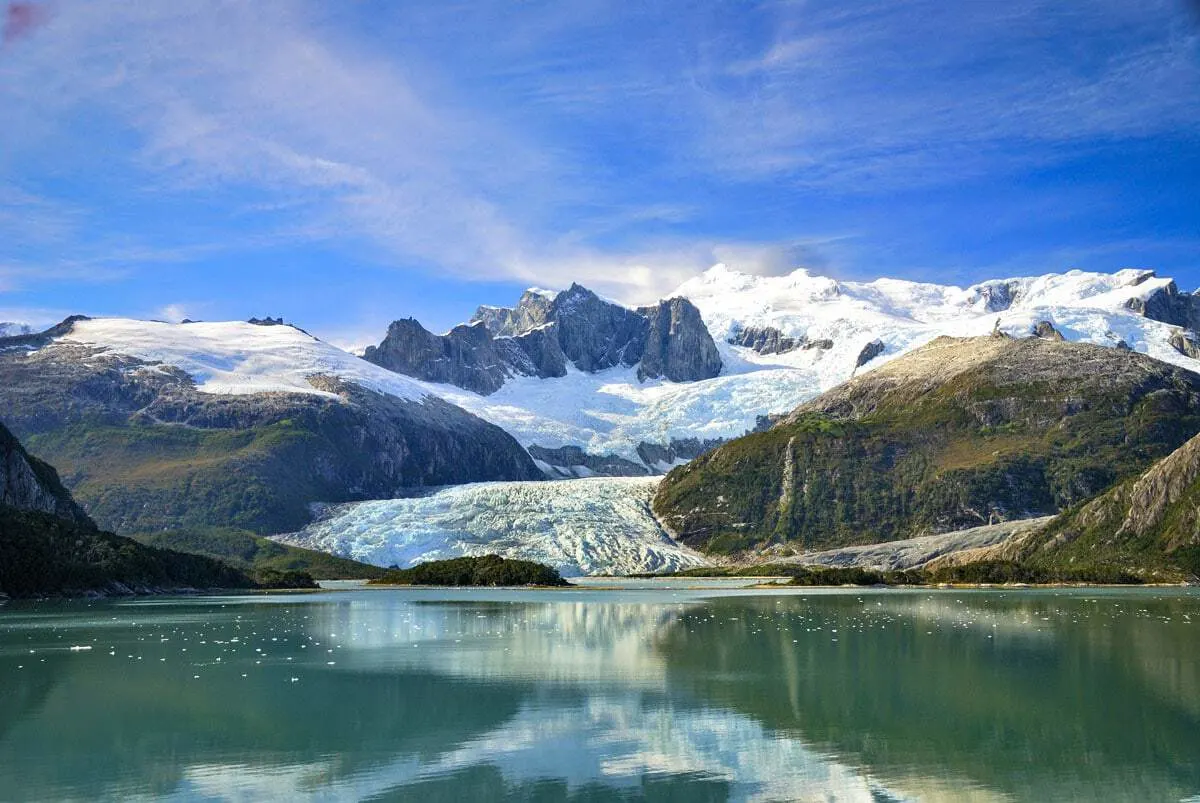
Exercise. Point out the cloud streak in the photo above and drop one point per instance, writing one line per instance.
(553, 142)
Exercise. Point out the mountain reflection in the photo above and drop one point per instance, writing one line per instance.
(545, 696)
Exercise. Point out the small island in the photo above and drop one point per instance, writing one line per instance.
(486, 570)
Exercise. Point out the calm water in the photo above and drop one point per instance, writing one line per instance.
(605, 695)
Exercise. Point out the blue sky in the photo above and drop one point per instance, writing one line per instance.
(344, 164)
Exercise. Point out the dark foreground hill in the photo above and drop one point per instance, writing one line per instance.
(486, 570)
(254, 554)
(959, 433)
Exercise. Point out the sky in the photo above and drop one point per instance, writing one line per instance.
(345, 164)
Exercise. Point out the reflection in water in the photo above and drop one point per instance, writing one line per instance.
(544, 695)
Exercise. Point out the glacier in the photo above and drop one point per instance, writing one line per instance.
(600, 525)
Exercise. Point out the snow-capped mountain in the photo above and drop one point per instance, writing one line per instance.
(165, 426)
(162, 425)
(238, 358)
(783, 340)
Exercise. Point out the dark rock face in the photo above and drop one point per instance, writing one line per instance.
(541, 335)
(766, 340)
(1046, 331)
(1169, 305)
(143, 450)
(465, 356)
(678, 345)
(27, 483)
(998, 296)
(541, 347)
(596, 334)
(869, 352)
(1185, 343)
(677, 449)
(566, 457)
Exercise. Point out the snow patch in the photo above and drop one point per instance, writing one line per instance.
(241, 358)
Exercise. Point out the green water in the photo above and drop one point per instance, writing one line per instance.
(588, 695)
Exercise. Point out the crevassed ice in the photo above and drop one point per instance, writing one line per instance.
(600, 525)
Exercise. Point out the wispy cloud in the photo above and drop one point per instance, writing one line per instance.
(554, 141)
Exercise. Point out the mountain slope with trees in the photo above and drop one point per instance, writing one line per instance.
(958, 433)
(49, 546)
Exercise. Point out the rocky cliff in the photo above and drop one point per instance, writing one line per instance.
(27, 483)
(958, 433)
(678, 347)
(543, 333)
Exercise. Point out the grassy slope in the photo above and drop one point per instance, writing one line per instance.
(253, 554)
(152, 477)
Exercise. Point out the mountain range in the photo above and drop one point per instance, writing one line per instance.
(159, 427)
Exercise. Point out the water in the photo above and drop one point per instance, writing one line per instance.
(588, 695)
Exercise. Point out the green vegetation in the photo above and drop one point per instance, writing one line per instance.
(999, 572)
(882, 459)
(44, 554)
(488, 570)
(983, 572)
(257, 555)
(153, 477)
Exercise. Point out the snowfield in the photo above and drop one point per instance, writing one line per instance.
(587, 526)
(240, 358)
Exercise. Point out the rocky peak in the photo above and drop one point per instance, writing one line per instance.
(465, 356)
(997, 296)
(1169, 305)
(595, 334)
(34, 340)
(531, 311)
(678, 344)
(543, 332)
(1046, 331)
(869, 352)
(1184, 342)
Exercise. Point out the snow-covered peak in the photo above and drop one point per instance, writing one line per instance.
(239, 358)
(801, 301)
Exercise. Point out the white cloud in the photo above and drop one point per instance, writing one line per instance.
(173, 313)
(480, 166)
